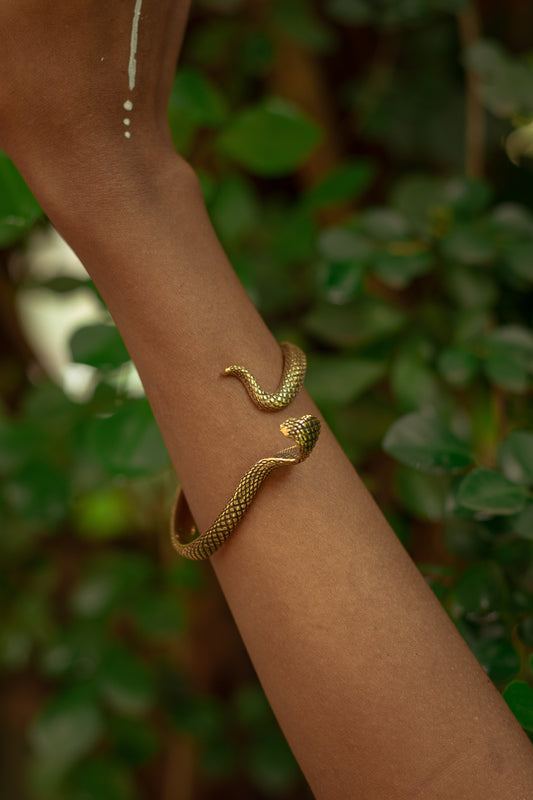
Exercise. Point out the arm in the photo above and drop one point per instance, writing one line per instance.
(379, 697)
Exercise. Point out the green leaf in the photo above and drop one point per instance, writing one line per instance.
(515, 457)
(354, 324)
(522, 524)
(200, 717)
(504, 81)
(196, 100)
(218, 758)
(342, 245)
(426, 200)
(185, 574)
(271, 765)
(300, 21)
(519, 697)
(512, 220)
(234, 209)
(128, 442)
(251, 707)
(350, 12)
(464, 537)
(525, 630)
(183, 132)
(514, 342)
(125, 681)
(485, 57)
(100, 346)
(257, 52)
(509, 357)
(109, 582)
(213, 43)
(339, 381)
(94, 595)
(489, 491)
(19, 444)
(467, 196)
(519, 259)
(469, 326)
(102, 778)
(398, 269)
(134, 740)
(512, 552)
(39, 493)
(384, 224)
(421, 493)
(222, 6)
(18, 208)
(272, 138)
(74, 652)
(27, 621)
(104, 514)
(293, 237)
(48, 401)
(469, 245)
(499, 658)
(479, 591)
(207, 185)
(64, 284)
(338, 282)
(67, 728)
(457, 365)
(418, 197)
(470, 288)
(15, 649)
(426, 444)
(523, 600)
(519, 143)
(343, 184)
(413, 382)
(507, 374)
(158, 615)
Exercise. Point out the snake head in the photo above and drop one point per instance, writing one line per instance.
(304, 431)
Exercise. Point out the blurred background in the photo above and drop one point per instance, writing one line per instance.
(366, 165)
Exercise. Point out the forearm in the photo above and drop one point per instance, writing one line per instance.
(374, 689)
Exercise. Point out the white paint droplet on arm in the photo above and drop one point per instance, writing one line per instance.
(132, 68)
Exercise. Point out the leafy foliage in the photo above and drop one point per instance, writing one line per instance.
(409, 285)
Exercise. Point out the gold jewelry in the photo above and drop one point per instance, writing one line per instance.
(304, 432)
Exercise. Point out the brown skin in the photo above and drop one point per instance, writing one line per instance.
(377, 694)
(76, 73)
(62, 106)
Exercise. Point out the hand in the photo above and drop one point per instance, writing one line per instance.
(71, 76)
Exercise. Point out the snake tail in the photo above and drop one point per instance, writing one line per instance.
(303, 431)
(292, 378)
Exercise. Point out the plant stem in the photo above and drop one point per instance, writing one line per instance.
(470, 33)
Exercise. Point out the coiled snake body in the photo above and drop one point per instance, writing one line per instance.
(291, 381)
(304, 432)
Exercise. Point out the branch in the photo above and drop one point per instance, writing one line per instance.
(469, 33)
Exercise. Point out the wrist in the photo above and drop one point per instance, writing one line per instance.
(88, 194)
